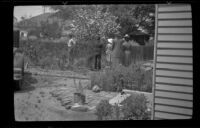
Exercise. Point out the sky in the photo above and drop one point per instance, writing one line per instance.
(28, 11)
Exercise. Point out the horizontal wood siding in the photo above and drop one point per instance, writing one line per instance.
(174, 73)
(181, 15)
(174, 45)
(175, 23)
(177, 67)
(174, 102)
(174, 37)
(183, 89)
(184, 60)
(174, 8)
(175, 52)
(171, 116)
(184, 111)
(174, 30)
(173, 83)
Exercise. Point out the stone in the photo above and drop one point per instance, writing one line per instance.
(80, 108)
(118, 99)
(96, 88)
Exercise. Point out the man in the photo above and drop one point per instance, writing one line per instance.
(98, 51)
(70, 44)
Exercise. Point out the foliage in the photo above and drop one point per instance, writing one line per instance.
(134, 17)
(104, 110)
(91, 23)
(130, 17)
(121, 77)
(135, 108)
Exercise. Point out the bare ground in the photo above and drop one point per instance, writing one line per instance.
(34, 102)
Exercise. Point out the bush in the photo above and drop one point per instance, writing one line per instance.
(135, 108)
(121, 77)
(104, 110)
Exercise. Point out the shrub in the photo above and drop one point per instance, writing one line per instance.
(121, 77)
(104, 110)
(135, 108)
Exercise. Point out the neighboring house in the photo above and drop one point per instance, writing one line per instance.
(23, 33)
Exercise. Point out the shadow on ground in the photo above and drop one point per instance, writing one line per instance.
(27, 84)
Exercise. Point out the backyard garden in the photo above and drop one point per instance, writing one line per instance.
(116, 91)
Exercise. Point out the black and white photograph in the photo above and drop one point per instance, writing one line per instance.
(102, 62)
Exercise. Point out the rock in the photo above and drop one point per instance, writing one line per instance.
(96, 88)
(80, 108)
(118, 99)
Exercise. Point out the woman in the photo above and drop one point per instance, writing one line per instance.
(109, 48)
(127, 50)
(117, 51)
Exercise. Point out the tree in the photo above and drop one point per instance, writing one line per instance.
(131, 18)
(134, 17)
(91, 22)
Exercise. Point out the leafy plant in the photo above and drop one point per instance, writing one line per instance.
(104, 110)
(121, 77)
(135, 108)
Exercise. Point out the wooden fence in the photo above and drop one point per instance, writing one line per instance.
(142, 53)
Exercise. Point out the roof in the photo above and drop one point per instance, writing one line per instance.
(138, 33)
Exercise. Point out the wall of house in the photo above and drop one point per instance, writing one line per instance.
(173, 72)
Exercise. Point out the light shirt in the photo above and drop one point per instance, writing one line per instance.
(71, 42)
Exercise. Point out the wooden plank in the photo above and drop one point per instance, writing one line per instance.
(174, 73)
(175, 23)
(174, 8)
(187, 60)
(174, 88)
(175, 30)
(174, 15)
(173, 109)
(175, 52)
(174, 102)
(174, 45)
(174, 81)
(174, 37)
(175, 66)
(174, 95)
(170, 116)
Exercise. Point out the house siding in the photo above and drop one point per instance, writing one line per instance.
(173, 72)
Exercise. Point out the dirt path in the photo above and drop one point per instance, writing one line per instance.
(35, 103)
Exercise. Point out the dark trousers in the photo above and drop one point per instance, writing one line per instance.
(97, 61)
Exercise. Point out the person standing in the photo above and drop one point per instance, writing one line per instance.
(70, 44)
(116, 55)
(98, 51)
(127, 50)
(109, 48)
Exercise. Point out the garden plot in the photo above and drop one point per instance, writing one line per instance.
(49, 97)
